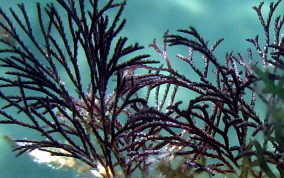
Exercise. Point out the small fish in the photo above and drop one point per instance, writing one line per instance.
(5, 35)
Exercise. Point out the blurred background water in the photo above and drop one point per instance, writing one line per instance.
(148, 19)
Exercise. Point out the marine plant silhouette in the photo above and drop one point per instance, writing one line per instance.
(81, 118)
(76, 82)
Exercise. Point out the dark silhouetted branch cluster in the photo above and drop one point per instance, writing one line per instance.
(77, 113)
(75, 81)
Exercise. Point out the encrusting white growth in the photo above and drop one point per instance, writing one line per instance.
(57, 162)
(51, 160)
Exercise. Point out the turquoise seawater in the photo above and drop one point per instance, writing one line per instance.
(148, 19)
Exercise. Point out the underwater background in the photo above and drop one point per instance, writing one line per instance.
(234, 21)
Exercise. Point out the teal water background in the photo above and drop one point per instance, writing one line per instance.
(148, 19)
